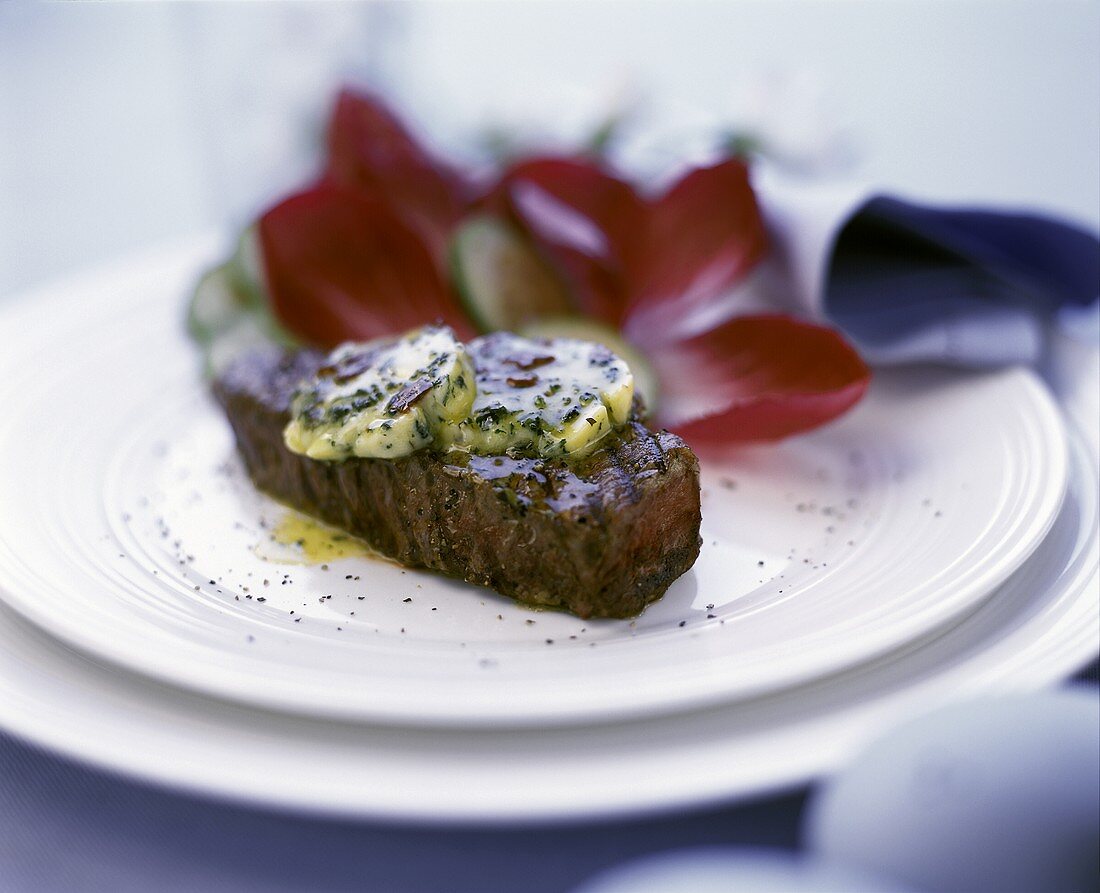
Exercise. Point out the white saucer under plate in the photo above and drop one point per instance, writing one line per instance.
(129, 531)
(1035, 629)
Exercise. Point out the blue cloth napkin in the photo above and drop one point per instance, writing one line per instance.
(913, 282)
(974, 287)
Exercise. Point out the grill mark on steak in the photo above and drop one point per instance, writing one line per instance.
(601, 538)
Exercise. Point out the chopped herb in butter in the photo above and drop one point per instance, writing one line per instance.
(550, 398)
(499, 394)
(383, 400)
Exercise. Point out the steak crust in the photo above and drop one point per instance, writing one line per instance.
(601, 538)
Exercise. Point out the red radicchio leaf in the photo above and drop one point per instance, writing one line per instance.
(704, 234)
(757, 378)
(341, 266)
(586, 221)
(371, 150)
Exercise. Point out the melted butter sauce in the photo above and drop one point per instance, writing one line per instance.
(495, 468)
(300, 539)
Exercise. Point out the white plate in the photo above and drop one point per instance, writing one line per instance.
(1035, 629)
(129, 531)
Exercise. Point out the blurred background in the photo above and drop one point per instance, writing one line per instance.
(124, 125)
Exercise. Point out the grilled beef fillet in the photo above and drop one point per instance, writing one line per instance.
(602, 537)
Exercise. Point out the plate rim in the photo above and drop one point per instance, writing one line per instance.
(1006, 676)
(874, 646)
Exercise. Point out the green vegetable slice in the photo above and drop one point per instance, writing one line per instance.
(228, 312)
(228, 291)
(214, 306)
(244, 334)
(646, 384)
(502, 280)
(245, 269)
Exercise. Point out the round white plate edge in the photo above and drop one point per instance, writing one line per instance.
(1037, 532)
(36, 728)
(117, 756)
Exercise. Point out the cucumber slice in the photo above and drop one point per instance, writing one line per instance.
(502, 280)
(229, 312)
(249, 329)
(245, 268)
(646, 384)
(244, 334)
(226, 292)
(214, 306)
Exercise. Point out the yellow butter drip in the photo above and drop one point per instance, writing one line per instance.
(309, 541)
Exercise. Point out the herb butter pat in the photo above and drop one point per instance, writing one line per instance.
(499, 394)
(381, 400)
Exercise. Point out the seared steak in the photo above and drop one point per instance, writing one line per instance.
(601, 538)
